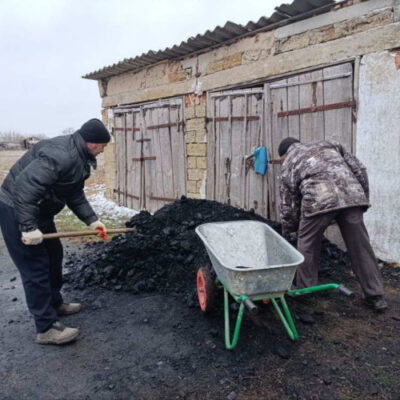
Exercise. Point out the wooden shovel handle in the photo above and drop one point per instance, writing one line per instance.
(84, 233)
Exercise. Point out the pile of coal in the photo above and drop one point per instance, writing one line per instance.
(164, 252)
(162, 255)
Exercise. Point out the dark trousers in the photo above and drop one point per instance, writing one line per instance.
(40, 267)
(355, 235)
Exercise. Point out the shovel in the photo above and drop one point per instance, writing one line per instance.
(58, 235)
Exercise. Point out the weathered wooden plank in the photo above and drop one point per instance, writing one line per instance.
(120, 141)
(225, 151)
(148, 168)
(338, 122)
(178, 151)
(157, 189)
(293, 104)
(280, 130)
(136, 174)
(124, 163)
(167, 170)
(256, 181)
(117, 193)
(129, 153)
(238, 135)
(270, 189)
(311, 125)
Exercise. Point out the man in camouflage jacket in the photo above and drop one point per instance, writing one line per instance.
(321, 182)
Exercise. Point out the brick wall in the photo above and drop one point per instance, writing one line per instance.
(196, 145)
(335, 31)
(109, 158)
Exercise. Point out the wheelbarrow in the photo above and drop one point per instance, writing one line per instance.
(252, 262)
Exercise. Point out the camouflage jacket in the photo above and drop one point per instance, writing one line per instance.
(317, 178)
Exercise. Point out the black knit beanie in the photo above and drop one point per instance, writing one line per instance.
(285, 144)
(94, 131)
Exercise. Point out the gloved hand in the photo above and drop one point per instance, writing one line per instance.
(32, 238)
(101, 228)
(98, 226)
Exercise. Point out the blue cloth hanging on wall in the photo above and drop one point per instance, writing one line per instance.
(260, 160)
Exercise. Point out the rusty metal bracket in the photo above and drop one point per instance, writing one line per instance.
(126, 194)
(143, 140)
(248, 164)
(165, 125)
(143, 158)
(127, 129)
(334, 106)
(221, 119)
(278, 161)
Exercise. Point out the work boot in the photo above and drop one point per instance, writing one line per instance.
(68, 308)
(57, 334)
(377, 303)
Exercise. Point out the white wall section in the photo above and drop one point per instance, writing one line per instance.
(378, 147)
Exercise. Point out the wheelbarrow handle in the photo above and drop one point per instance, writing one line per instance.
(345, 291)
(57, 235)
(250, 306)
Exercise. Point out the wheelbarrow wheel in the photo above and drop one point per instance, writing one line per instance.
(205, 289)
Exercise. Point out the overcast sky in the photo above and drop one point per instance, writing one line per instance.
(47, 45)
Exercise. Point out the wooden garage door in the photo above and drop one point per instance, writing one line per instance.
(312, 106)
(150, 154)
(128, 147)
(236, 126)
(164, 153)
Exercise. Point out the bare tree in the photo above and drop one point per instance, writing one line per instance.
(11, 136)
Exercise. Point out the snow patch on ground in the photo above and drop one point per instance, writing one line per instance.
(102, 205)
(105, 207)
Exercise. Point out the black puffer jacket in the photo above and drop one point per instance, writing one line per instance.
(48, 177)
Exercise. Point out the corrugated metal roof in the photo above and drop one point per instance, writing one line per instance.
(284, 14)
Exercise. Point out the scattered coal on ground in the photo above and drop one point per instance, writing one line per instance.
(164, 252)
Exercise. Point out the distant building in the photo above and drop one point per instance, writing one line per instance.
(6, 145)
(29, 142)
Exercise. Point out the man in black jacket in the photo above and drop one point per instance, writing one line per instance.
(48, 177)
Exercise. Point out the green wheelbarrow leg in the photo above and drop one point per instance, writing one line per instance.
(228, 344)
(285, 317)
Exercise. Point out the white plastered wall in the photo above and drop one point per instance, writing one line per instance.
(378, 147)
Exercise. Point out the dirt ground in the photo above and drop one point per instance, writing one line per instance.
(153, 346)
(160, 346)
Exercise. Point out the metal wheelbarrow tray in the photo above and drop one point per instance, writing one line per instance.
(249, 257)
(252, 262)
